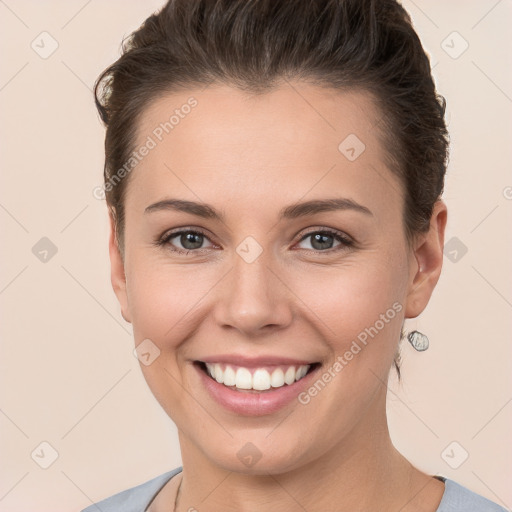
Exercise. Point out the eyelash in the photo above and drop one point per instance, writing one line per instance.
(345, 241)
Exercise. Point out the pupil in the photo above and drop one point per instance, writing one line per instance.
(195, 239)
(322, 240)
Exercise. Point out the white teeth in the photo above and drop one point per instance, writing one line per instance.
(301, 372)
(289, 376)
(260, 380)
(277, 379)
(229, 376)
(243, 379)
(218, 373)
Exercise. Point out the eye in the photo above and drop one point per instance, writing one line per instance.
(184, 241)
(189, 240)
(323, 240)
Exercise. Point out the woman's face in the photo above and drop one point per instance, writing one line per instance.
(259, 281)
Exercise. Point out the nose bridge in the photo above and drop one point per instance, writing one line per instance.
(252, 297)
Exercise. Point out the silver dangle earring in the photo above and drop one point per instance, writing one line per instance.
(418, 340)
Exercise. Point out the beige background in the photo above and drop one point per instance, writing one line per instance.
(68, 374)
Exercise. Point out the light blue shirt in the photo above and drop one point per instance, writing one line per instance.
(456, 498)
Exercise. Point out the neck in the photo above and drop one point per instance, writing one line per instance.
(362, 472)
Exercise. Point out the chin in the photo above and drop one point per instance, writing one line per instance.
(257, 456)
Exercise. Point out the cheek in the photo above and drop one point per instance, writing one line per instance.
(353, 294)
(162, 298)
(359, 312)
(164, 303)
(359, 309)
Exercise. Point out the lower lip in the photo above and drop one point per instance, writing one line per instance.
(254, 403)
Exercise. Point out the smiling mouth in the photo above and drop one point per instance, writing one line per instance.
(240, 378)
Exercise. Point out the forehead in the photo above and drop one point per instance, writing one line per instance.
(221, 143)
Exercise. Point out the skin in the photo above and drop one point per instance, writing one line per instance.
(249, 157)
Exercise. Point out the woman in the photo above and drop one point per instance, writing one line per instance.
(274, 173)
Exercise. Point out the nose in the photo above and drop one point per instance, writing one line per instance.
(253, 299)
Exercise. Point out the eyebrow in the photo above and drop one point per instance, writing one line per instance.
(293, 211)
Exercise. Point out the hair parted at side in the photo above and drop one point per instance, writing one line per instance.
(255, 45)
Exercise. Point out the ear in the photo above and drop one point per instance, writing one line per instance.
(425, 266)
(117, 274)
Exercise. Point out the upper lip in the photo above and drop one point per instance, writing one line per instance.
(255, 362)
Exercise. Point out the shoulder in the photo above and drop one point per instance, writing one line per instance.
(135, 499)
(457, 498)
